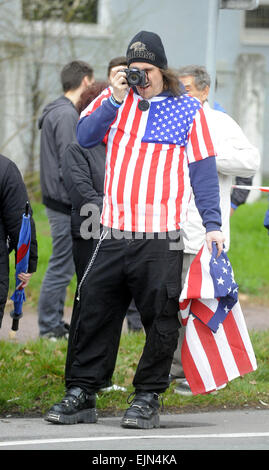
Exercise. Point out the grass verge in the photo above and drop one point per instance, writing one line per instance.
(249, 250)
(32, 379)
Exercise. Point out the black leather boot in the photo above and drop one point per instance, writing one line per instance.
(143, 412)
(76, 407)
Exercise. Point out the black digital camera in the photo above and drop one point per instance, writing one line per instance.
(135, 77)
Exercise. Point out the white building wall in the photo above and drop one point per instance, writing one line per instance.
(182, 25)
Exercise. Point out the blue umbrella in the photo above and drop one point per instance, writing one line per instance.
(22, 260)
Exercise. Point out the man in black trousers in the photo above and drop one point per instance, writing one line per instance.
(157, 143)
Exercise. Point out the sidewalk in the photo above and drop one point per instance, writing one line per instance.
(28, 325)
(257, 318)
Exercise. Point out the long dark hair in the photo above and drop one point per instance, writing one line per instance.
(90, 94)
(171, 82)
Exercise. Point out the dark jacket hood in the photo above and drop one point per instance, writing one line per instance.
(59, 102)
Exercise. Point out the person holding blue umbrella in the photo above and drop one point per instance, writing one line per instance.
(22, 261)
(13, 199)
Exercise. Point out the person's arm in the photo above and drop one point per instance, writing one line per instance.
(64, 132)
(91, 129)
(13, 203)
(96, 121)
(239, 196)
(236, 156)
(204, 179)
(78, 178)
(65, 129)
(205, 184)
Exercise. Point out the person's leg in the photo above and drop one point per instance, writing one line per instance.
(58, 275)
(177, 371)
(82, 253)
(156, 290)
(93, 345)
(104, 298)
(155, 285)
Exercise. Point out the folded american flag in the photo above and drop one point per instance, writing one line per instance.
(216, 347)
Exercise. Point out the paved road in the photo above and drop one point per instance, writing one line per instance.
(220, 430)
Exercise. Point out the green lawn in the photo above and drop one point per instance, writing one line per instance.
(40, 365)
(249, 252)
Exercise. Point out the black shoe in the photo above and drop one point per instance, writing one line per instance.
(59, 332)
(143, 412)
(76, 407)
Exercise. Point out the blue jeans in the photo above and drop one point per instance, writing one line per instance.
(58, 275)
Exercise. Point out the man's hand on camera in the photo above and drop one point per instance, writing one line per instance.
(119, 83)
(218, 238)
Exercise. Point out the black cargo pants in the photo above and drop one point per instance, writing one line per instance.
(147, 270)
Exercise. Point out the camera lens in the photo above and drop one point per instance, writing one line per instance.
(134, 78)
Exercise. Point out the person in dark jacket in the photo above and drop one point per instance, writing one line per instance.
(58, 129)
(13, 198)
(83, 176)
(83, 171)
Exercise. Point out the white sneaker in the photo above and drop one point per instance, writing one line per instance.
(113, 388)
(183, 388)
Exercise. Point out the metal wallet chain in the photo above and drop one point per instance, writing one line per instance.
(89, 266)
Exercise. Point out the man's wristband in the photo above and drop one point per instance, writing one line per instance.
(115, 102)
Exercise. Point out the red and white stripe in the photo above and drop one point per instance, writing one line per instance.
(264, 189)
(106, 93)
(147, 185)
(198, 282)
(212, 359)
(200, 144)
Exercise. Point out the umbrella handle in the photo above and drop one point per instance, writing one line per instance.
(15, 324)
(27, 206)
(15, 320)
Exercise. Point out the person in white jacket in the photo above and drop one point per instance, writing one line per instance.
(236, 156)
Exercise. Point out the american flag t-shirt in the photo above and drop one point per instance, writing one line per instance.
(147, 185)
